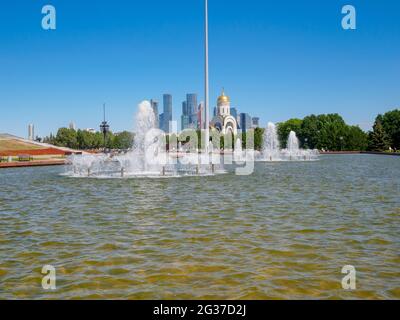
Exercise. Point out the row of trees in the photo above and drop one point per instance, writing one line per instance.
(323, 132)
(85, 140)
(330, 132)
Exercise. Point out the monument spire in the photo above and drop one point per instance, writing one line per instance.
(206, 80)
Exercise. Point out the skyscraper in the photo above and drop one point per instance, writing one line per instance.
(31, 132)
(234, 113)
(166, 117)
(191, 101)
(245, 122)
(256, 122)
(185, 116)
(161, 122)
(154, 106)
(184, 108)
(167, 99)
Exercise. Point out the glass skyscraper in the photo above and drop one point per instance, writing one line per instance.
(185, 116)
(191, 102)
(166, 117)
(245, 122)
(190, 112)
(256, 122)
(234, 113)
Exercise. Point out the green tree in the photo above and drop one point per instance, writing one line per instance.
(66, 138)
(356, 139)
(84, 140)
(327, 131)
(378, 139)
(123, 140)
(89, 140)
(391, 125)
(284, 129)
(258, 138)
(310, 129)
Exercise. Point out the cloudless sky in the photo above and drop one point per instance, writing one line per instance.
(276, 59)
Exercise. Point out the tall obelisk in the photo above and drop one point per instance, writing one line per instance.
(206, 82)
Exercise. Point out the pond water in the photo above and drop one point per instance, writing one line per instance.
(284, 232)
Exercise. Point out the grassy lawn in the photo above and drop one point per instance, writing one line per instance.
(11, 144)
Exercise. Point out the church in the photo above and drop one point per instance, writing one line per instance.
(224, 122)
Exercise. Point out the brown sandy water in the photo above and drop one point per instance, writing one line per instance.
(284, 232)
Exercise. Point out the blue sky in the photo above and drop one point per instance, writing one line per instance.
(276, 59)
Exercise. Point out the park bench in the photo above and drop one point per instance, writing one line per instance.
(25, 158)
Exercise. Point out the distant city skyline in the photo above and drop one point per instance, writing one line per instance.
(278, 60)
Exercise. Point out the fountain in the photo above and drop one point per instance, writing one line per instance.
(293, 142)
(238, 152)
(271, 150)
(149, 156)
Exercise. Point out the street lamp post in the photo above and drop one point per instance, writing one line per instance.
(104, 127)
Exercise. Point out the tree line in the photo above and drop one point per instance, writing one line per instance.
(86, 140)
(330, 132)
(323, 132)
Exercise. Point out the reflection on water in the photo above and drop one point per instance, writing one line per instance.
(283, 233)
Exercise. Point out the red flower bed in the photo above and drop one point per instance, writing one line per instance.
(35, 152)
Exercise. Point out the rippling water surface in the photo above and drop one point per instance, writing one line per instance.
(283, 233)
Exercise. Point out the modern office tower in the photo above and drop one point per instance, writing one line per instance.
(255, 122)
(31, 132)
(167, 99)
(191, 101)
(234, 113)
(161, 121)
(72, 126)
(185, 108)
(166, 117)
(154, 106)
(185, 122)
(245, 122)
(185, 116)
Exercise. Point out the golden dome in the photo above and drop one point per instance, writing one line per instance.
(223, 99)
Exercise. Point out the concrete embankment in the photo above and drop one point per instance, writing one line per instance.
(363, 152)
(38, 163)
